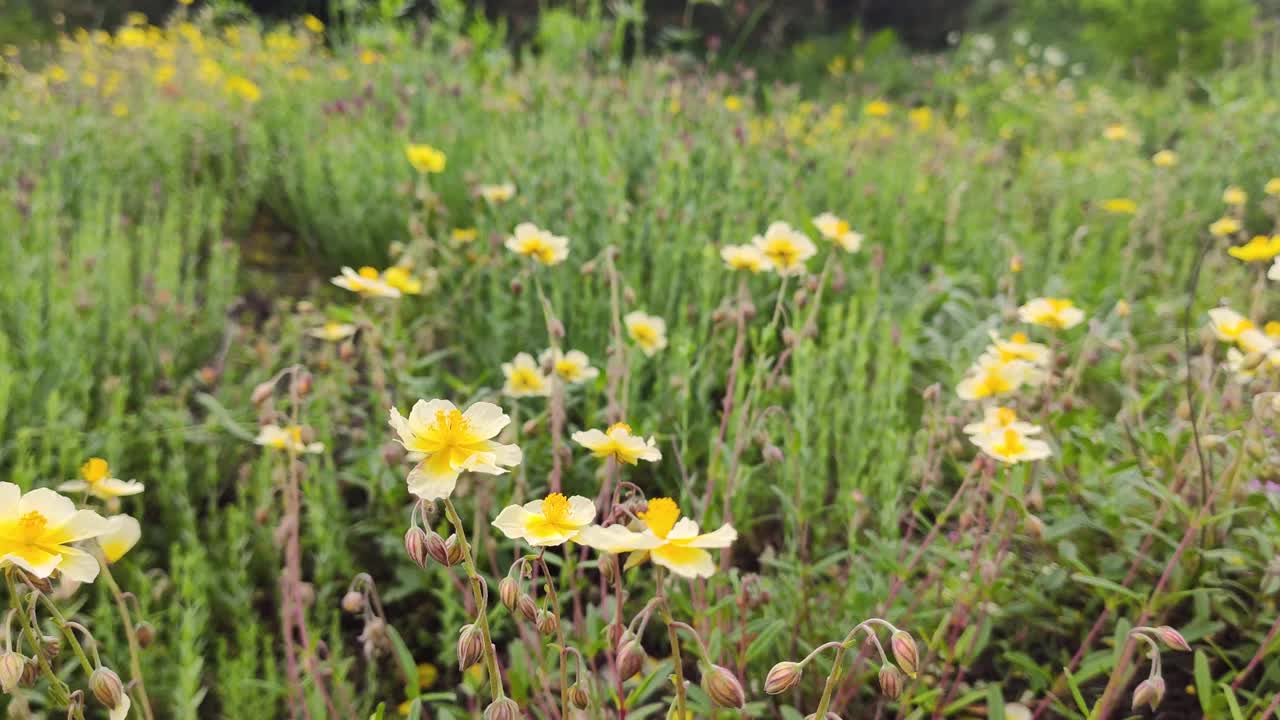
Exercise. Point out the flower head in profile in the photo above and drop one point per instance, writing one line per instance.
(1224, 226)
(498, 193)
(287, 438)
(463, 235)
(838, 231)
(37, 531)
(1011, 446)
(452, 441)
(122, 533)
(877, 108)
(786, 248)
(1235, 196)
(991, 378)
(671, 541)
(333, 331)
(997, 419)
(1017, 347)
(313, 23)
(1056, 313)
(367, 282)
(553, 520)
(1164, 159)
(400, 278)
(1230, 326)
(1120, 206)
(619, 443)
(95, 479)
(531, 241)
(525, 378)
(424, 158)
(745, 257)
(573, 367)
(1272, 187)
(647, 331)
(1259, 249)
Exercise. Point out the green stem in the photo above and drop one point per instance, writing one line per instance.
(61, 622)
(478, 594)
(58, 689)
(674, 638)
(135, 649)
(832, 680)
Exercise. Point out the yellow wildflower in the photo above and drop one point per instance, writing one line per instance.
(1259, 249)
(367, 282)
(619, 443)
(1011, 446)
(990, 379)
(452, 441)
(525, 378)
(1272, 187)
(464, 235)
(551, 521)
(286, 438)
(1056, 313)
(786, 248)
(95, 479)
(1120, 206)
(37, 531)
(424, 158)
(1116, 132)
(574, 367)
(401, 279)
(745, 257)
(1000, 418)
(1165, 158)
(1224, 226)
(1235, 196)
(671, 541)
(499, 193)
(1017, 347)
(243, 88)
(838, 230)
(877, 108)
(732, 103)
(313, 23)
(333, 331)
(647, 331)
(531, 241)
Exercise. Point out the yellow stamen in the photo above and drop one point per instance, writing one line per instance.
(1011, 446)
(555, 508)
(369, 273)
(618, 426)
(94, 471)
(1005, 416)
(32, 526)
(661, 516)
(1019, 338)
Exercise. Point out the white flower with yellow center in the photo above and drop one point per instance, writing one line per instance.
(1000, 418)
(531, 241)
(287, 438)
(619, 443)
(367, 282)
(990, 378)
(786, 248)
(552, 521)
(1017, 347)
(333, 331)
(452, 441)
(37, 529)
(745, 257)
(838, 231)
(525, 378)
(1230, 326)
(123, 532)
(95, 479)
(1056, 313)
(647, 331)
(401, 278)
(670, 541)
(1011, 446)
(498, 193)
(573, 367)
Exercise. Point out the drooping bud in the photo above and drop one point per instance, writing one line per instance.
(548, 622)
(890, 681)
(12, 665)
(502, 709)
(528, 608)
(579, 697)
(1149, 692)
(470, 646)
(30, 674)
(437, 549)
(630, 659)
(262, 392)
(353, 602)
(453, 550)
(904, 651)
(509, 593)
(106, 686)
(1173, 638)
(415, 544)
(607, 568)
(723, 688)
(52, 646)
(784, 676)
(772, 454)
(146, 634)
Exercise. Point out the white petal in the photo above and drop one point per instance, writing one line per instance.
(617, 539)
(590, 439)
(424, 412)
(55, 508)
(120, 488)
(68, 486)
(121, 711)
(82, 525)
(684, 529)
(78, 565)
(511, 521)
(721, 537)
(431, 483)
(581, 510)
(486, 419)
(123, 532)
(507, 455)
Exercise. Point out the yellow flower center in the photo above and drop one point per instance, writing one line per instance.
(644, 333)
(1235, 329)
(568, 369)
(1059, 306)
(94, 471)
(1272, 329)
(1010, 446)
(526, 379)
(368, 273)
(31, 527)
(295, 434)
(1019, 338)
(841, 227)
(661, 516)
(555, 508)
(993, 383)
(782, 252)
(617, 427)
(1005, 416)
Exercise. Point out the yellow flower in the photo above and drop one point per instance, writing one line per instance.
(574, 367)
(1259, 249)
(333, 331)
(531, 241)
(921, 118)
(369, 57)
(990, 379)
(452, 441)
(524, 378)
(401, 279)
(619, 443)
(838, 230)
(95, 479)
(37, 529)
(732, 103)
(1055, 313)
(1235, 196)
(1000, 418)
(837, 66)
(89, 79)
(1272, 187)
(745, 257)
(787, 249)
(427, 675)
(164, 74)
(244, 88)
(647, 331)
(286, 438)
(499, 193)
(1224, 226)
(1011, 446)
(56, 74)
(186, 2)
(1165, 158)
(1120, 206)
(464, 235)
(1230, 326)
(1017, 347)
(313, 23)
(424, 158)
(120, 110)
(367, 283)
(1116, 132)
(1271, 329)
(671, 541)
(877, 108)
(122, 533)
(544, 523)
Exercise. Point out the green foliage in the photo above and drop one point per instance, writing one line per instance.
(1161, 36)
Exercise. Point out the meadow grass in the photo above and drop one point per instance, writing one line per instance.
(175, 200)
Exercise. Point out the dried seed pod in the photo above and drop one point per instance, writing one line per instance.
(470, 646)
(784, 676)
(723, 688)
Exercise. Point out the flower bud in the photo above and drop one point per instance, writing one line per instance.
(453, 550)
(772, 453)
(528, 608)
(353, 602)
(606, 567)
(548, 622)
(470, 646)
(890, 681)
(509, 593)
(784, 676)
(302, 383)
(12, 666)
(1149, 692)
(415, 544)
(502, 709)
(1173, 638)
(146, 634)
(723, 688)
(52, 646)
(106, 686)
(904, 651)
(437, 549)
(30, 674)
(630, 659)
(555, 328)
(579, 697)
(261, 392)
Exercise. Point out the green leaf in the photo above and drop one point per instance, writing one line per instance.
(1105, 584)
(407, 665)
(1204, 682)
(1075, 692)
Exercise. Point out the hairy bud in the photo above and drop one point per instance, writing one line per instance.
(146, 634)
(548, 622)
(437, 549)
(262, 392)
(1149, 692)
(528, 608)
(470, 646)
(453, 550)
(1173, 638)
(890, 681)
(723, 688)
(509, 593)
(12, 666)
(579, 697)
(784, 676)
(772, 453)
(904, 651)
(415, 544)
(502, 709)
(607, 568)
(353, 602)
(630, 659)
(106, 686)
(52, 646)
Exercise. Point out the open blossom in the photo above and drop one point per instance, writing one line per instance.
(786, 248)
(424, 158)
(989, 379)
(745, 257)
(333, 331)
(402, 279)
(452, 441)
(1259, 249)
(1230, 326)
(1222, 227)
(1120, 206)
(525, 378)
(1235, 196)
(1055, 313)
(367, 282)
(1272, 187)
(37, 531)
(95, 479)
(671, 541)
(1010, 445)
(1165, 158)
(648, 331)
(122, 533)
(552, 521)
(499, 193)
(574, 367)
(287, 438)
(1017, 347)
(838, 231)
(1116, 132)
(1000, 418)
(531, 241)
(619, 443)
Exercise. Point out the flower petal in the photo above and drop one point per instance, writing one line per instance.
(433, 478)
(512, 520)
(581, 510)
(684, 561)
(486, 419)
(721, 537)
(617, 539)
